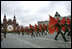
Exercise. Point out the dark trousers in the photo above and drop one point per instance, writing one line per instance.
(61, 34)
(42, 32)
(22, 33)
(65, 32)
(32, 34)
(69, 33)
(37, 33)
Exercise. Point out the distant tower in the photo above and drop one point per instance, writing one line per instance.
(4, 21)
(14, 22)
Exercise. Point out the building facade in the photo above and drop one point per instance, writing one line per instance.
(9, 24)
(43, 22)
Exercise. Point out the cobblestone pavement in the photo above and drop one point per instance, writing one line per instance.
(26, 41)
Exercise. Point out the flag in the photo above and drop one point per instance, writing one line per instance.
(40, 25)
(68, 21)
(30, 25)
(45, 27)
(31, 28)
(52, 22)
(56, 29)
(35, 28)
(51, 30)
(63, 28)
(63, 21)
(35, 25)
(30, 31)
(26, 29)
(40, 28)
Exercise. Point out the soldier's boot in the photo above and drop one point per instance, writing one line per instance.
(33, 35)
(68, 34)
(66, 41)
(37, 34)
(56, 39)
(42, 33)
(22, 33)
(64, 37)
(45, 33)
(56, 36)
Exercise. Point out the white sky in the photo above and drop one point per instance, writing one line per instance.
(30, 12)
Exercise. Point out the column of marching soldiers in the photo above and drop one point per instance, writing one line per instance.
(38, 30)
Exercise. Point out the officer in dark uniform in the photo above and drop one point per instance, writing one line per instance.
(32, 33)
(59, 31)
(66, 27)
(37, 31)
(46, 30)
(42, 30)
(69, 31)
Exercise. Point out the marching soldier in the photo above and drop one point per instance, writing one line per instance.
(42, 30)
(45, 29)
(18, 30)
(37, 31)
(66, 27)
(32, 32)
(59, 31)
(22, 30)
(69, 31)
(26, 29)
